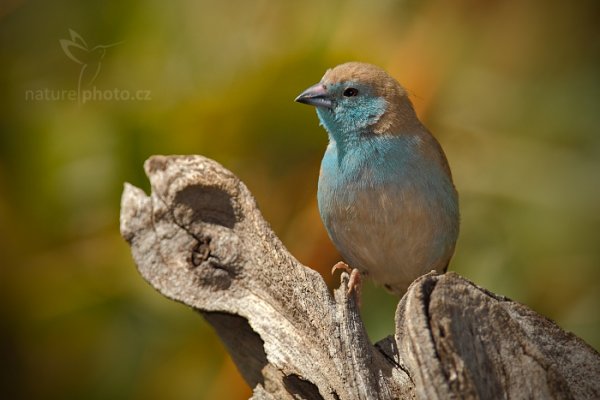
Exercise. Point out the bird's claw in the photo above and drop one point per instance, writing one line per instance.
(341, 265)
(354, 281)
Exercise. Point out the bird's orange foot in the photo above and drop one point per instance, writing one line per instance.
(354, 282)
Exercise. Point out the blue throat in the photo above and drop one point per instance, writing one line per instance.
(349, 127)
(348, 122)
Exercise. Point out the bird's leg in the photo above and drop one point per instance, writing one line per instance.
(354, 282)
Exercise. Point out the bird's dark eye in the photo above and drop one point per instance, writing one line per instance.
(350, 92)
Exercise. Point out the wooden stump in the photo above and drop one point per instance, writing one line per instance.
(200, 239)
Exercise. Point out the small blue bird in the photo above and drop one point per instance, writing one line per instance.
(385, 191)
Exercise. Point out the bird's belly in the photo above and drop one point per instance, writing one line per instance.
(393, 236)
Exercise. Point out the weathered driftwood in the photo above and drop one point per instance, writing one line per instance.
(199, 239)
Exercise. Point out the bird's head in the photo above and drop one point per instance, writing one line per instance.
(357, 98)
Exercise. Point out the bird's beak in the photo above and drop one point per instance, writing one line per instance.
(315, 95)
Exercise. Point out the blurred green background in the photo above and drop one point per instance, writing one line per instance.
(510, 88)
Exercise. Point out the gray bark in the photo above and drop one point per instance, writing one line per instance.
(199, 239)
